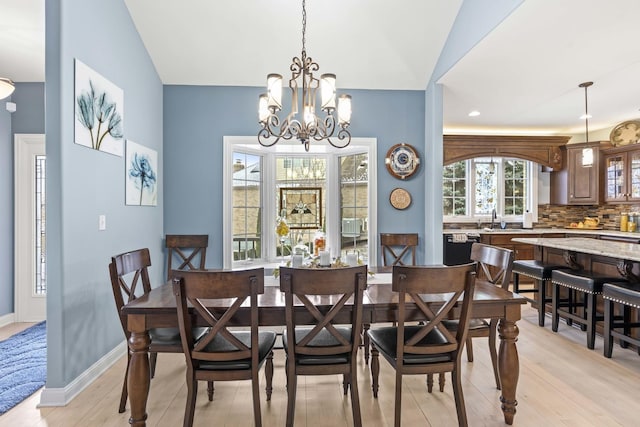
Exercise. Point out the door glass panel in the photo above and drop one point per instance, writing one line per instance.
(40, 248)
(615, 177)
(635, 175)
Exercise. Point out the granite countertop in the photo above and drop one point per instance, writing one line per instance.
(618, 250)
(542, 231)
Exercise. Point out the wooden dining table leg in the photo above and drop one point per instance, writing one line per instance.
(508, 365)
(138, 380)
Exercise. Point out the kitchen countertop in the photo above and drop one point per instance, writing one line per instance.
(542, 231)
(617, 250)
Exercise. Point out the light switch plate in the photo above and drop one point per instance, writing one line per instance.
(102, 222)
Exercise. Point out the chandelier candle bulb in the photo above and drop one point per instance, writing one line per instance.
(274, 90)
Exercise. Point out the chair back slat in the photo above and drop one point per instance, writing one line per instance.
(445, 286)
(129, 279)
(494, 263)
(189, 250)
(324, 294)
(227, 291)
(398, 248)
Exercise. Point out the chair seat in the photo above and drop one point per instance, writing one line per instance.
(385, 339)
(171, 336)
(535, 269)
(622, 292)
(474, 324)
(266, 341)
(323, 339)
(581, 280)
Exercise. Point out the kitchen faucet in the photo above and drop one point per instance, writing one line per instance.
(494, 216)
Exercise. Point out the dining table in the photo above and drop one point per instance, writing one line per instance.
(380, 304)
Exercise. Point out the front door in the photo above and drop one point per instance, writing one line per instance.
(30, 261)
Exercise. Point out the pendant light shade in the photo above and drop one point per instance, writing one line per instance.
(6, 87)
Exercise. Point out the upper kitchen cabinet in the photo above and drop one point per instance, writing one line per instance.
(579, 182)
(622, 174)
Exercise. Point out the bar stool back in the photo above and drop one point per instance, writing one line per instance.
(627, 294)
(541, 273)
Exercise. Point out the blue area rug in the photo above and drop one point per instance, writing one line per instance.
(23, 365)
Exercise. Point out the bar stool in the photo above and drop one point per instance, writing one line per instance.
(590, 285)
(541, 273)
(627, 294)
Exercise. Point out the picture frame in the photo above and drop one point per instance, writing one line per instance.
(141, 175)
(99, 111)
(303, 207)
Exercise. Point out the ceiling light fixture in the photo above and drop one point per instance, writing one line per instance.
(311, 126)
(474, 113)
(6, 87)
(587, 153)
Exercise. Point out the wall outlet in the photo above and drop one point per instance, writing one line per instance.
(102, 222)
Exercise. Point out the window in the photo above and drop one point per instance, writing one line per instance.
(328, 189)
(473, 188)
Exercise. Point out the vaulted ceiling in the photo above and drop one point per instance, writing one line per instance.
(522, 77)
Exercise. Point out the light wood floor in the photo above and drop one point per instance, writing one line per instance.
(562, 383)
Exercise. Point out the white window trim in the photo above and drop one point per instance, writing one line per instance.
(250, 144)
(532, 202)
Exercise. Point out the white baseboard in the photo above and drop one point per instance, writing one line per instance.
(7, 319)
(62, 396)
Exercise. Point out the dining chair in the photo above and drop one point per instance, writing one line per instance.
(494, 266)
(330, 300)
(223, 353)
(129, 280)
(398, 248)
(431, 347)
(189, 250)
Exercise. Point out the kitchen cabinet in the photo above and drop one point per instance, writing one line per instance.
(577, 183)
(622, 175)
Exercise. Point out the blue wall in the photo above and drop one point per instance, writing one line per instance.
(28, 118)
(82, 322)
(196, 118)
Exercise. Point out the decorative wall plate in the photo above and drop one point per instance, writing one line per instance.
(400, 198)
(402, 161)
(625, 133)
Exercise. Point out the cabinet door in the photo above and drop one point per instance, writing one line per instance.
(633, 177)
(615, 185)
(583, 180)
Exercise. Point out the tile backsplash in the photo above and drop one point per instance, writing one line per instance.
(559, 216)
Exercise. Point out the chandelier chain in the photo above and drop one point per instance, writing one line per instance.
(304, 25)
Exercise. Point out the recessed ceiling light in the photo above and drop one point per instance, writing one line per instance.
(474, 113)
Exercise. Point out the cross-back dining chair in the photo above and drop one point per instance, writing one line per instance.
(188, 250)
(398, 248)
(431, 347)
(129, 280)
(331, 300)
(494, 266)
(224, 353)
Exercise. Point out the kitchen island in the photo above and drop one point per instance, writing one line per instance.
(610, 258)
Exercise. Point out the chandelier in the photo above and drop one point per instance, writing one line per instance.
(309, 126)
(6, 87)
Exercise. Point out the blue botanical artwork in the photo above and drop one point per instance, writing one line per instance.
(99, 107)
(141, 175)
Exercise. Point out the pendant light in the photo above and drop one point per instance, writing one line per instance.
(587, 153)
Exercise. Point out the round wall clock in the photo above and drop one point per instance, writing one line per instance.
(400, 198)
(402, 161)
